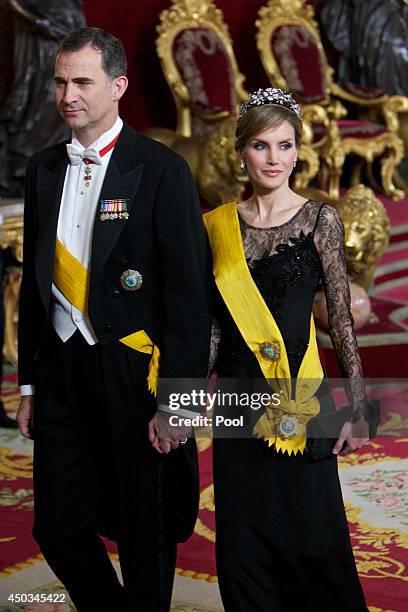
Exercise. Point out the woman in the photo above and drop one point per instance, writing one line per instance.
(282, 534)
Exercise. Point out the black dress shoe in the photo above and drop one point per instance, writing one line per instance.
(5, 421)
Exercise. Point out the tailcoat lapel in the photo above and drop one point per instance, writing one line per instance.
(50, 183)
(122, 180)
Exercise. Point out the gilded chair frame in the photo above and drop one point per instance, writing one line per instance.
(190, 14)
(279, 13)
(332, 148)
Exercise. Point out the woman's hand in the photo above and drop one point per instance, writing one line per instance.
(354, 434)
(165, 437)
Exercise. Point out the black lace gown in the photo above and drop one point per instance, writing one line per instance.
(282, 536)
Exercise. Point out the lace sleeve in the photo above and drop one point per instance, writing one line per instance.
(329, 241)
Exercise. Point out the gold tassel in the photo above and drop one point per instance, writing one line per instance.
(153, 377)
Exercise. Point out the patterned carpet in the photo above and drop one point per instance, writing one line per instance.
(374, 485)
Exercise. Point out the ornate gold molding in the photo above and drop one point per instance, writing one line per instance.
(337, 90)
(279, 13)
(313, 113)
(370, 149)
(186, 14)
(11, 299)
(309, 167)
(367, 231)
(11, 236)
(393, 106)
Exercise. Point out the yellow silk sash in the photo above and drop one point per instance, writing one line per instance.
(72, 279)
(257, 326)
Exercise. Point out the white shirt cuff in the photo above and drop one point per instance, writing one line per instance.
(189, 414)
(26, 390)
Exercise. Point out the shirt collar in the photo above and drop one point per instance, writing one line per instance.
(104, 139)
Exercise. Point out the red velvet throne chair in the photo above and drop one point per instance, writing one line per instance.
(196, 54)
(292, 54)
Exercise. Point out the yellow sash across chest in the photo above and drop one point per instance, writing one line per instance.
(262, 335)
(72, 279)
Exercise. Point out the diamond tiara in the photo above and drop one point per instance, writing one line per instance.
(270, 95)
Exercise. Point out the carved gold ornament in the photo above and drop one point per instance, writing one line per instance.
(367, 230)
(12, 236)
(294, 22)
(190, 15)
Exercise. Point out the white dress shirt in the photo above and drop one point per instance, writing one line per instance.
(79, 205)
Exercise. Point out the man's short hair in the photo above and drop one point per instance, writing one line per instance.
(113, 54)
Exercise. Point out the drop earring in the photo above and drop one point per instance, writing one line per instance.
(242, 165)
(295, 162)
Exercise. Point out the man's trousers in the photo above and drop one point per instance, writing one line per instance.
(95, 473)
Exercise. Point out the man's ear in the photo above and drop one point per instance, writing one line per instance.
(119, 86)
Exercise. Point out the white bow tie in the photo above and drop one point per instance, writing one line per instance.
(77, 155)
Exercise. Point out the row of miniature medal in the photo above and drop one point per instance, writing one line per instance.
(109, 209)
(113, 209)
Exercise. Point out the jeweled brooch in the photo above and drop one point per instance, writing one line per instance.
(270, 350)
(131, 280)
(288, 426)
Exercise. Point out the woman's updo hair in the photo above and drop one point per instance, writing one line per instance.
(257, 119)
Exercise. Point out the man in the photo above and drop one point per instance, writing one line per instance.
(114, 289)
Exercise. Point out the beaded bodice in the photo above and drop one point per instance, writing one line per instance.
(287, 263)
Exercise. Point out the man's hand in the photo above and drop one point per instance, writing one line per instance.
(165, 437)
(355, 434)
(24, 416)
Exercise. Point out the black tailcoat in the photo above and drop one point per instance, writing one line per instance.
(163, 239)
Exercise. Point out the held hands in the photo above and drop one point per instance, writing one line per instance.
(165, 437)
(354, 434)
(24, 416)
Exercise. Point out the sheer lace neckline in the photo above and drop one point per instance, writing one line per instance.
(271, 227)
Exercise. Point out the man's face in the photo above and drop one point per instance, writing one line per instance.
(86, 98)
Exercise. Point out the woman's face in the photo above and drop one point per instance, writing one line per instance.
(269, 157)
